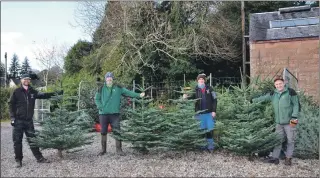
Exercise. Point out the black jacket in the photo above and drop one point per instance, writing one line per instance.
(21, 103)
(211, 100)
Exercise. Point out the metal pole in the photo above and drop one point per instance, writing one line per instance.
(319, 81)
(79, 95)
(210, 79)
(243, 45)
(133, 88)
(42, 110)
(143, 83)
(5, 69)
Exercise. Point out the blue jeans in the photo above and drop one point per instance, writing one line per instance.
(207, 123)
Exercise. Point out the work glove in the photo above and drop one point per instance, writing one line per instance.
(293, 122)
(12, 122)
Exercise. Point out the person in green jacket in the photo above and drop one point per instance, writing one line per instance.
(107, 100)
(285, 103)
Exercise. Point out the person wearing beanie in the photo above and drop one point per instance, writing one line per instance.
(286, 107)
(207, 106)
(107, 100)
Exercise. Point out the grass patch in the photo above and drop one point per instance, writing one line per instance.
(5, 120)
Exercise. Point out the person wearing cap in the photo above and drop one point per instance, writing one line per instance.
(107, 100)
(286, 109)
(21, 109)
(206, 106)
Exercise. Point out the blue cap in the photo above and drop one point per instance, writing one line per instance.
(109, 74)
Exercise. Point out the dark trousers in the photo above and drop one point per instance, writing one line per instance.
(27, 127)
(113, 120)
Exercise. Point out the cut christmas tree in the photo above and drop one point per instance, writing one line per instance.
(184, 131)
(144, 126)
(250, 128)
(64, 130)
(307, 141)
(149, 128)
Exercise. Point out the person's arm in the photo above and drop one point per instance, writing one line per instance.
(97, 100)
(41, 95)
(214, 101)
(266, 97)
(129, 93)
(12, 106)
(190, 95)
(295, 103)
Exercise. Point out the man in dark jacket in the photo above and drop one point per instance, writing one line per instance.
(207, 106)
(21, 108)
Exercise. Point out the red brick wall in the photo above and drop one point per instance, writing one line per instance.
(300, 56)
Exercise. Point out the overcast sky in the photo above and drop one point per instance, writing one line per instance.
(25, 25)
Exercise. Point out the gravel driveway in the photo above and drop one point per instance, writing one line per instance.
(195, 164)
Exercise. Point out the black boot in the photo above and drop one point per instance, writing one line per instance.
(18, 163)
(272, 160)
(43, 160)
(288, 162)
(282, 155)
(103, 145)
(119, 148)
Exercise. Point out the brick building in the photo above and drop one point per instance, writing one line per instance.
(288, 38)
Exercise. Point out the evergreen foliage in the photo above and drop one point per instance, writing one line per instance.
(144, 127)
(184, 132)
(152, 129)
(248, 126)
(25, 68)
(307, 142)
(14, 67)
(64, 130)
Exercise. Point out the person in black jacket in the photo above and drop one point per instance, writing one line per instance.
(206, 106)
(21, 109)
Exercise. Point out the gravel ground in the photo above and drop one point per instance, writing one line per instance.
(193, 164)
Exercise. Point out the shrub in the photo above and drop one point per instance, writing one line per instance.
(4, 98)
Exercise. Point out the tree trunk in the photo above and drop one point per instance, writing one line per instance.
(60, 153)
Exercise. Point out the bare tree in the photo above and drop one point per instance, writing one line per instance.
(214, 38)
(48, 55)
(89, 14)
(188, 30)
(62, 52)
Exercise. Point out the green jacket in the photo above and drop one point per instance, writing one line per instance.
(284, 105)
(107, 99)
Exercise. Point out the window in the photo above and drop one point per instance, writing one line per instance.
(294, 22)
